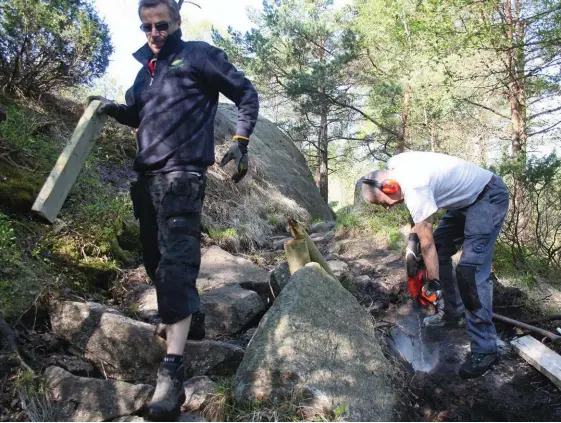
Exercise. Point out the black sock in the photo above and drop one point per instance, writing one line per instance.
(175, 359)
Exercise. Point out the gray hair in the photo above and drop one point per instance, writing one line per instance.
(172, 5)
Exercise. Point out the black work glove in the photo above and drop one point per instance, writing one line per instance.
(109, 107)
(237, 152)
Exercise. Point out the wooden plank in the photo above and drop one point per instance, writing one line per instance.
(539, 356)
(69, 164)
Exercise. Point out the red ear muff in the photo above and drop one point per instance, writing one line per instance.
(390, 186)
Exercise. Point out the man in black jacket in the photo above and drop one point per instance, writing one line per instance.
(173, 104)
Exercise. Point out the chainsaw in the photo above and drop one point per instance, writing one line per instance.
(422, 294)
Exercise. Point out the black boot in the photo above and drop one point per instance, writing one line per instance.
(477, 364)
(169, 395)
(197, 329)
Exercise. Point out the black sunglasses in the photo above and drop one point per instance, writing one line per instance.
(160, 26)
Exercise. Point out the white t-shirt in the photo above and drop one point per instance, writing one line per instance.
(430, 181)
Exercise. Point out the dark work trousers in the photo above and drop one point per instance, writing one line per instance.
(474, 228)
(168, 207)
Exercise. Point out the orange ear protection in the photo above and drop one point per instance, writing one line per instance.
(387, 186)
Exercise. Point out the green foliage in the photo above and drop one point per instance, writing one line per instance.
(300, 54)
(222, 233)
(9, 253)
(377, 221)
(346, 219)
(532, 228)
(46, 44)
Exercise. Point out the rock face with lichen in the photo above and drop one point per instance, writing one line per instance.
(317, 342)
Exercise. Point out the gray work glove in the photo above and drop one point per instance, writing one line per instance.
(109, 107)
(237, 152)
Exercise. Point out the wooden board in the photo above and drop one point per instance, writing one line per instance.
(539, 356)
(69, 164)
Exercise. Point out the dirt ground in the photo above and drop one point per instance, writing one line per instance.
(511, 391)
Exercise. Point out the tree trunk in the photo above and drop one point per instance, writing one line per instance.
(516, 86)
(322, 160)
(16, 69)
(402, 132)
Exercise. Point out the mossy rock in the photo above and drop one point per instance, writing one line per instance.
(18, 188)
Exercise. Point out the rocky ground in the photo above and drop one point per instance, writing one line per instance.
(99, 361)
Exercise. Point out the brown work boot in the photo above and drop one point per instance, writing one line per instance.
(169, 395)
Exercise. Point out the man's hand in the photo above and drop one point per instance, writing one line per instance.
(237, 152)
(108, 107)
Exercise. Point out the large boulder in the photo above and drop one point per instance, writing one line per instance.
(82, 399)
(220, 268)
(228, 310)
(316, 340)
(127, 349)
(123, 348)
(280, 162)
(211, 358)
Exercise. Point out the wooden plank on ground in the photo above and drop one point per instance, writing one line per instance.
(70, 162)
(539, 356)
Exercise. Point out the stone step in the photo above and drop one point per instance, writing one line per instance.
(126, 349)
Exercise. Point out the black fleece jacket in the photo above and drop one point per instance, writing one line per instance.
(175, 110)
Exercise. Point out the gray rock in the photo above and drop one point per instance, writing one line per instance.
(143, 300)
(278, 244)
(363, 282)
(228, 310)
(71, 364)
(220, 268)
(281, 163)
(381, 268)
(323, 227)
(280, 277)
(123, 348)
(322, 237)
(340, 268)
(198, 390)
(362, 266)
(126, 349)
(86, 399)
(211, 358)
(333, 361)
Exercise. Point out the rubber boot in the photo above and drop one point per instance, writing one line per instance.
(169, 395)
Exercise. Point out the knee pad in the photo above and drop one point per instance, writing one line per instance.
(465, 275)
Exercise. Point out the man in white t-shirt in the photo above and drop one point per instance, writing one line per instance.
(476, 201)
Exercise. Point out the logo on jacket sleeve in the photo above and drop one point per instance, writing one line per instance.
(176, 64)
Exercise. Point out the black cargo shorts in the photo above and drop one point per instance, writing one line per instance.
(168, 207)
